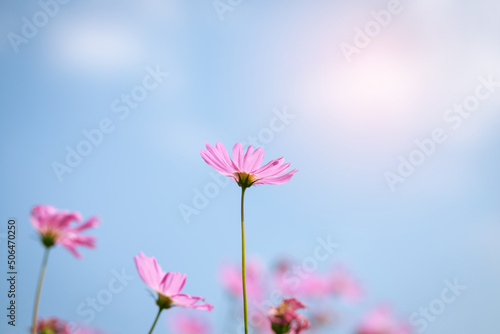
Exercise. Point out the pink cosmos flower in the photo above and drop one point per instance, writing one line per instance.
(312, 285)
(245, 168)
(230, 277)
(54, 228)
(338, 282)
(285, 320)
(324, 317)
(382, 321)
(259, 320)
(58, 326)
(342, 283)
(86, 330)
(309, 285)
(167, 285)
(182, 324)
(52, 326)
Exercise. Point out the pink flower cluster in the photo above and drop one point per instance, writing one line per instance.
(315, 286)
(65, 228)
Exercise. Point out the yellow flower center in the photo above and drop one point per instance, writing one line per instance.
(245, 180)
(164, 302)
(49, 238)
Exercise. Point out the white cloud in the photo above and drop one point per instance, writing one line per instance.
(96, 45)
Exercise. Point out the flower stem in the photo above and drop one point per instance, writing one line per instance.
(39, 288)
(156, 320)
(243, 271)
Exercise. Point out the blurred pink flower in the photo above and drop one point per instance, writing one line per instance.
(230, 277)
(285, 320)
(54, 228)
(285, 280)
(323, 317)
(314, 285)
(259, 320)
(52, 326)
(86, 330)
(305, 285)
(343, 284)
(245, 168)
(167, 285)
(382, 321)
(182, 324)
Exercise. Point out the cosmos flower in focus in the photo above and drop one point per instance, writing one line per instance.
(230, 277)
(182, 324)
(285, 320)
(54, 227)
(168, 286)
(245, 168)
(382, 321)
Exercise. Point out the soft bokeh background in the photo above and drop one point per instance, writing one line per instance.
(226, 78)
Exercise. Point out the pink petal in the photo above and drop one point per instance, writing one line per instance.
(213, 161)
(92, 222)
(225, 156)
(73, 239)
(238, 156)
(149, 271)
(172, 283)
(269, 165)
(218, 155)
(248, 159)
(40, 214)
(280, 179)
(188, 301)
(63, 219)
(274, 171)
(258, 158)
(73, 250)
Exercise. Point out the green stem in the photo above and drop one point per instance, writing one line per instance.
(243, 271)
(39, 289)
(156, 320)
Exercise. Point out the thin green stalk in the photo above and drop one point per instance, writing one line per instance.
(39, 289)
(243, 271)
(156, 320)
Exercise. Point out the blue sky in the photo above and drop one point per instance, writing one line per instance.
(349, 121)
